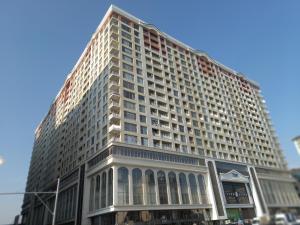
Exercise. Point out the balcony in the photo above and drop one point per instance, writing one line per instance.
(114, 106)
(114, 139)
(114, 118)
(114, 86)
(114, 29)
(114, 67)
(114, 77)
(114, 129)
(114, 44)
(114, 95)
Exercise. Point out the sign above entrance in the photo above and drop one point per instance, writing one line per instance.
(234, 176)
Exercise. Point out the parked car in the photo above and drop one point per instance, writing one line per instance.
(285, 219)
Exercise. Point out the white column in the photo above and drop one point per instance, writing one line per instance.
(168, 188)
(106, 189)
(115, 185)
(130, 186)
(156, 187)
(144, 186)
(198, 189)
(249, 194)
(189, 188)
(179, 189)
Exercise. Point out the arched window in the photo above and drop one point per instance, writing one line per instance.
(137, 186)
(194, 191)
(103, 190)
(150, 187)
(162, 187)
(184, 189)
(110, 187)
(92, 194)
(173, 188)
(97, 192)
(202, 189)
(123, 189)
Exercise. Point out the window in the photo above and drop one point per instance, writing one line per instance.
(144, 141)
(123, 188)
(142, 119)
(202, 189)
(143, 130)
(150, 187)
(126, 43)
(129, 115)
(162, 187)
(127, 67)
(142, 108)
(128, 94)
(130, 139)
(184, 189)
(97, 193)
(137, 186)
(128, 76)
(173, 188)
(130, 127)
(126, 28)
(128, 85)
(110, 187)
(92, 193)
(140, 80)
(140, 89)
(127, 58)
(129, 105)
(103, 190)
(194, 191)
(126, 50)
(141, 98)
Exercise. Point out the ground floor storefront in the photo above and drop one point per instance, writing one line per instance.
(152, 217)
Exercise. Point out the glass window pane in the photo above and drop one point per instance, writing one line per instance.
(97, 194)
(110, 187)
(173, 188)
(194, 191)
(162, 187)
(103, 190)
(202, 189)
(137, 186)
(184, 189)
(123, 189)
(150, 187)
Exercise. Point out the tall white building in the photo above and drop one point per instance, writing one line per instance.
(147, 130)
(296, 141)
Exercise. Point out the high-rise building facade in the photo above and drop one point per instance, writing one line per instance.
(147, 130)
(296, 141)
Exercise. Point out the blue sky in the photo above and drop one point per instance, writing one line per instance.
(41, 40)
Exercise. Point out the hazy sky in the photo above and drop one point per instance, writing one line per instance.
(41, 40)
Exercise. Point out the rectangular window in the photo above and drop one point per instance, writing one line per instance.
(144, 141)
(142, 119)
(126, 50)
(129, 115)
(130, 139)
(128, 94)
(130, 127)
(129, 105)
(127, 67)
(127, 58)
(128, 85)
(143, 130)
(128, 76)
(142, 108)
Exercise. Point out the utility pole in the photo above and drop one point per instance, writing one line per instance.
(55, 202)
(53, 213)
